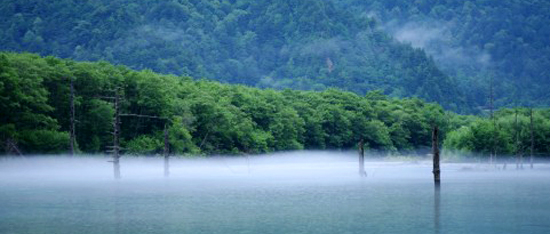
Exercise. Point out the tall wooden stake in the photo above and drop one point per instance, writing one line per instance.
(361, 148)
(116, 132)
(166, 152)
(532, 140)
(72, 127)
(435, 148)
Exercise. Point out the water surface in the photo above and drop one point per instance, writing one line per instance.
(316, 192)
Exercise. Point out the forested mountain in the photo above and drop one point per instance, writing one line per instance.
(476, 41)
(308, 44)
(373, 50)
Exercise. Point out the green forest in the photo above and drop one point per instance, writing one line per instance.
(206, 117)
(307, 45)
(246, 77)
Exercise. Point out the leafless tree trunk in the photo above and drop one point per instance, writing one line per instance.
(11, 147)
(493, 155)
(437, 208)
(435, 147)
(361, 149)
(166, 152)
(519, 153)
(72, 127)
(532, 139)
(116, 133)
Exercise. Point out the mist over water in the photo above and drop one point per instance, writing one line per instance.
(294, 192)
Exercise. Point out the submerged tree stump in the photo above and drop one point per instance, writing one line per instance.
(166, 153)
(11, 147)
(437, 209)
(532, 138)
(116, 133)
(361, 149)
(72, 119)
(435, 147)
(116, 167)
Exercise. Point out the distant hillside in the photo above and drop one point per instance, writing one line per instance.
(306, 44)
(476, 41)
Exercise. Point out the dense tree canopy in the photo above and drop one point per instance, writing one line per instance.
(205, 117)
(202, 116)
(508, 134)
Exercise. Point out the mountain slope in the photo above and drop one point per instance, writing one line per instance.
(476, 41)
(298, 44)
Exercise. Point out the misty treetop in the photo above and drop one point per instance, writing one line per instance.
(203, 116)
(308, 45)
(476, 41)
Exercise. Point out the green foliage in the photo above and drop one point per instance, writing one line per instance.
(504, 136)
(379, 135)
(43, 141)
(24, 98)
(144, 145)
(205, 117)
(180, 138)
(202, 117)
(461, 139)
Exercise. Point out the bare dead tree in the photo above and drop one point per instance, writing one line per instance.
(437, 208)
(166, 152)
(116, 136)
(361, 149)
(11, 147)
(519, 151)
(72, 127)
(435, 147)
(114, 149)
(532, 138)
(493, 156)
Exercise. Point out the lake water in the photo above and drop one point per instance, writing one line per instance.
(313, 192)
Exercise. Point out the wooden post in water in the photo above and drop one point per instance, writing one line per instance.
(116, 133)
(72, 127)
(532, 139)
(435, 148)
(362, 171)
(166, 152)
